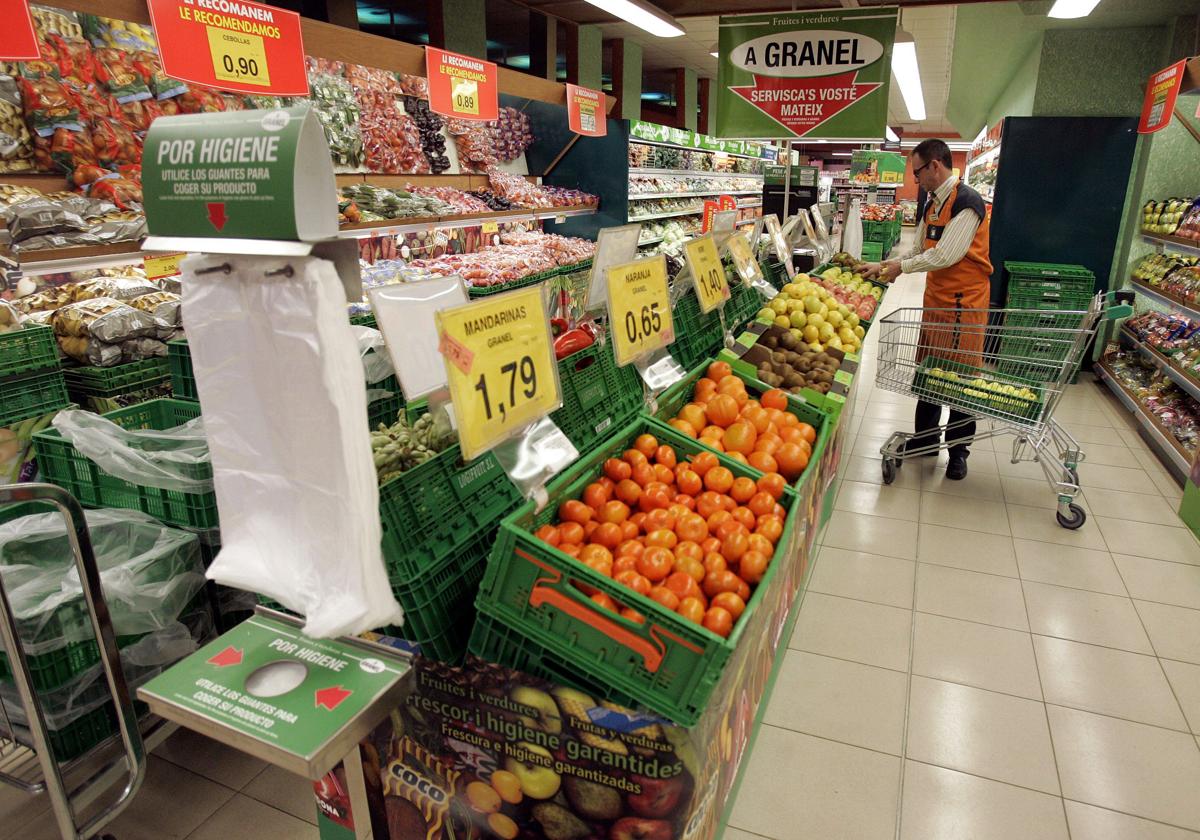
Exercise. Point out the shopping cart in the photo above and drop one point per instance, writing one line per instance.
(1005, 367)
(27, 760)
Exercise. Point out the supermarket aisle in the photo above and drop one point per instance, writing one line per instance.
(963, 667)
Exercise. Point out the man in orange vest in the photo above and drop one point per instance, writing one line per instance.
(952, 247)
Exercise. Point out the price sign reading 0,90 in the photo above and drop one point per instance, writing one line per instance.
(707, 272)
(500, 366)
(639, 308)
(238, 57)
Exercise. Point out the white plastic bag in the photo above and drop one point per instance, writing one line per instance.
(852, 232)
(172, 459)
(286, 417)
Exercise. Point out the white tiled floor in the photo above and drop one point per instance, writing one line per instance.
(962, 667)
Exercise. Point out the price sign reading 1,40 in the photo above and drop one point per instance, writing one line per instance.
(639, 308)
(707, 272)
(238, 57)
(500, 366)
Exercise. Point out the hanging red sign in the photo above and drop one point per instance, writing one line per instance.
(800, 105)
(461, 86)
(711, 208)
(727, 202)
(18, 41)
(1161, 92)
(586, 112)
(235, 45)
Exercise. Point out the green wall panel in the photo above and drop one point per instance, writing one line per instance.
(591, 56)
(466, 26)
(991, 43)
(687, 99)
(1016, 100)
(631, 101)
(1097, 72)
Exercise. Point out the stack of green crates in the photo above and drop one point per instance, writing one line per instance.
(31, 379)
(103, 389)
(1053, 297)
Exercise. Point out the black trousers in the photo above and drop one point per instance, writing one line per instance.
(929, 417)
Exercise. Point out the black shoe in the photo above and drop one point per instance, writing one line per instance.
(956, 470)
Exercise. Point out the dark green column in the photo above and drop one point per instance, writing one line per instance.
(543, 46)
(626, 78)
(685, 98)
(585, 56)
(459, 26)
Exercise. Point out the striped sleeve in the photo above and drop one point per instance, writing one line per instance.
(951, 248)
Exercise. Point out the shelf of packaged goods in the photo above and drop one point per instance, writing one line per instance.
(691, 148)
(643, 243)
(694, 173)
(1164, 364)
(1172, 243)
(1163, 441)
(1192, 309)
(79, 258)
(983, 157)
(671, 215)
(644, 196)
(363, 230)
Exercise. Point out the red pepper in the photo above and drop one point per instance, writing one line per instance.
(572, 341)
(558, 326)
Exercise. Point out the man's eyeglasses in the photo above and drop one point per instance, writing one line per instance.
(918, 170)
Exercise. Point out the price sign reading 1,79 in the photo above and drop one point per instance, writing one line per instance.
(709, 275)
(500, 366)
(639, 308)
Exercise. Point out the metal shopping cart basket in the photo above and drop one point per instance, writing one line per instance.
(1005, 367)
(27, 760)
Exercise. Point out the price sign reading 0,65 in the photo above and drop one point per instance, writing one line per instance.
(707, 272)
(639, 308)
(500, 366)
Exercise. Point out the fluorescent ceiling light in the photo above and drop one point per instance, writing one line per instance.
(908, 75)
(642, 15)
(891, 135)
(1072, 8)
(842, 154)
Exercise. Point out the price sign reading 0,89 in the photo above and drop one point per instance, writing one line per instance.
(639, 308)
(500, 366)
(707, 272)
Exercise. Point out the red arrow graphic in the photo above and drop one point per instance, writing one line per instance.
(229, 656)
(331, 697)
(216, 214)
(800, 105)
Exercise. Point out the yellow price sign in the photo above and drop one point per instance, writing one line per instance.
(490, 227)
(464, 93)
(500, 366)
(162, 265)
(708, 275)
(639, 308)
(743, 258)
(238, 57)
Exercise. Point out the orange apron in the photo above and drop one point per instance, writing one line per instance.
(960, 294)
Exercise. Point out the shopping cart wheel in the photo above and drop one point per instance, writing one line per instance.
(1075, 520)
(889, 470)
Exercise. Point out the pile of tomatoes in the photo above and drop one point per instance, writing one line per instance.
(688, 534)
(761, 433)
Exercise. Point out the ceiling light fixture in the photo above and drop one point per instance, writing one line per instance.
(1072, 8)
(908, 75)
(642, 15)
(842, 154)
(890, 134)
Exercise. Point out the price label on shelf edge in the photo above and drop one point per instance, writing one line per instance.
(639, 308)
(18, 40)
(708, 275)
(159, 266)
(500, 366)
(743, 258)
(586, 112)
(462, 86)
(251, 47)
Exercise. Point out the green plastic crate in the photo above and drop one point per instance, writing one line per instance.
(775, 273)
(598, 396)
(531, 280)
(1004, 407)
(387, 409)
(1031, 276)
(439, 605)
(31, 395)
(93, 381)
(434, 509)
(365, 319)
(744, 303)
(62, 464)
(872, 251)
(179, 361)
(680, 394)
(877, 231)
(27, 350)
(697, 336)
(666, 663)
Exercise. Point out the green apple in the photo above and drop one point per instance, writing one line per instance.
(799, 320)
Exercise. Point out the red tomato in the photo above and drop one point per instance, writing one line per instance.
(604, 600)
(629, 529)
(634, 457)
(753, 566)
(773, 483)
(594, 495)
(718, 479)
(718, 371)
(688, 482)
(654, 499)
(711, 544)
(665, 455)
(571, 533)
(691, 567)
(634, 581)
(692, 527)
(643, 474)
(685, 500)
(761, 503)
(655, 564)
(770, 526)
(717, 582)
(734, 545)
(742, 489)
(614, 511)
(703, 462)
(691, 609)
(574, 510)
(708, 503)
(624, 563)
(664, 474)
(617, 470)
(687, 548)
(548, 534)
(646, 444)
(608, 534)
(714, 562)
(775, 398)
(628, 491)
(731, 602)
(745, 516)
(719, 621)
(665, 597)
(761, 544)
(662, 538)
(598, 558)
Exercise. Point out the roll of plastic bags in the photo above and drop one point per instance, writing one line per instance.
(285, 412)
(852, 232)
(172, 459)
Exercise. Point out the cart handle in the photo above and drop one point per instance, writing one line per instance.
(110, 658)
(1115, 308)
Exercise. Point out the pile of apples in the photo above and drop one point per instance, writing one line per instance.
(815, 315)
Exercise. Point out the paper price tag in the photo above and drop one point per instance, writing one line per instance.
(461, 85)
(238, 57)
(743, 258)
(465, 93)
(500, 366)
(639, 308)
(490, 227)
(162, 265)
(708, 275)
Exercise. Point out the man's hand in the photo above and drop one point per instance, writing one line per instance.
(889, 270)
(871, 270)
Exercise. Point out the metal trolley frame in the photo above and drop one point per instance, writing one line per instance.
(33, 767)
(1023, 353)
